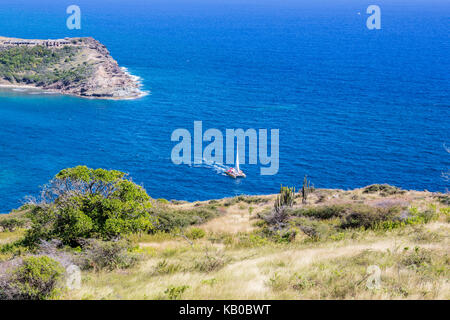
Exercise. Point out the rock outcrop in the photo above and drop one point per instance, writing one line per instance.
(83, 67)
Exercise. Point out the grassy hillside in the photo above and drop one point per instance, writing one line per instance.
(42, 66)
(233, 249)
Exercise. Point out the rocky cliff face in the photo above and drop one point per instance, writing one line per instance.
(76, 66)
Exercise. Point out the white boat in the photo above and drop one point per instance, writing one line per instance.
(236, 172)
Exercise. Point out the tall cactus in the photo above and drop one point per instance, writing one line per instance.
(285, 198)
(306, 189)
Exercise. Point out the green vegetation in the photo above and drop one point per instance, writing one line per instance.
(12, 224)
(195, 233)
(211, 261)
(334, 221)
(36, 278)
(277, 219)
(107, 255)
(444, 198)
(306, 189)
(285, 198)
(383, 189)
(41, 66)
(175, 293)
(86, 203)
(322, 212)
(242, 198)
(169, 219)
(129, 246)
(283, 202)
(405, 274)
(163, 267)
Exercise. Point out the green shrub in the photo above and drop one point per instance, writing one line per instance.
(367, 217)
(88, 203)
(322, 212)
(254, 200)
(211, 261)
(251, 241)
(243, 198)
(416, 258)
(444, 199)
(285, 235)
(230, 202)
(384, 189)
(445, 211)
(416, 216)
(178, 202)
(12, 224)
(107, 255)
(195, 233)
(315, 229)
(163, 267)
(210, 282)
(169, 219)
(27, 206)
(174, 293)
(13, 248)
(37, 278)
(163, 201)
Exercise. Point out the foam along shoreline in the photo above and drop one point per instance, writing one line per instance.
(34, 90)
(138, 81)
(29, 89)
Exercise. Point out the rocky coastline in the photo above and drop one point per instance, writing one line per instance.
(81, 67)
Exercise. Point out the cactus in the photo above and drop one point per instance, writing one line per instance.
(279, 215)
(306, 189)
(285, 198)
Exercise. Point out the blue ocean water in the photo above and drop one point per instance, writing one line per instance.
(354, 106)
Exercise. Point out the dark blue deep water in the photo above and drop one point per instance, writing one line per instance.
(354, 106)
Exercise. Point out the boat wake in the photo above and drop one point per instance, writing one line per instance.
(216, 167)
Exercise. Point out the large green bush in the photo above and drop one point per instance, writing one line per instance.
(36, 278)
(85, 203)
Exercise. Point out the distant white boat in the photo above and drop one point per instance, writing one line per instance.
(236, 172)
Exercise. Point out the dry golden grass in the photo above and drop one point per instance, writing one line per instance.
(7, 237)
(222, 266)
(329, 270)
(272, 274)
(234, 221)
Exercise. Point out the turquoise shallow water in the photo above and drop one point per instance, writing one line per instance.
(353, 106)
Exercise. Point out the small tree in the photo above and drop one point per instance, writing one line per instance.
(85, 203)
(306, 189)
